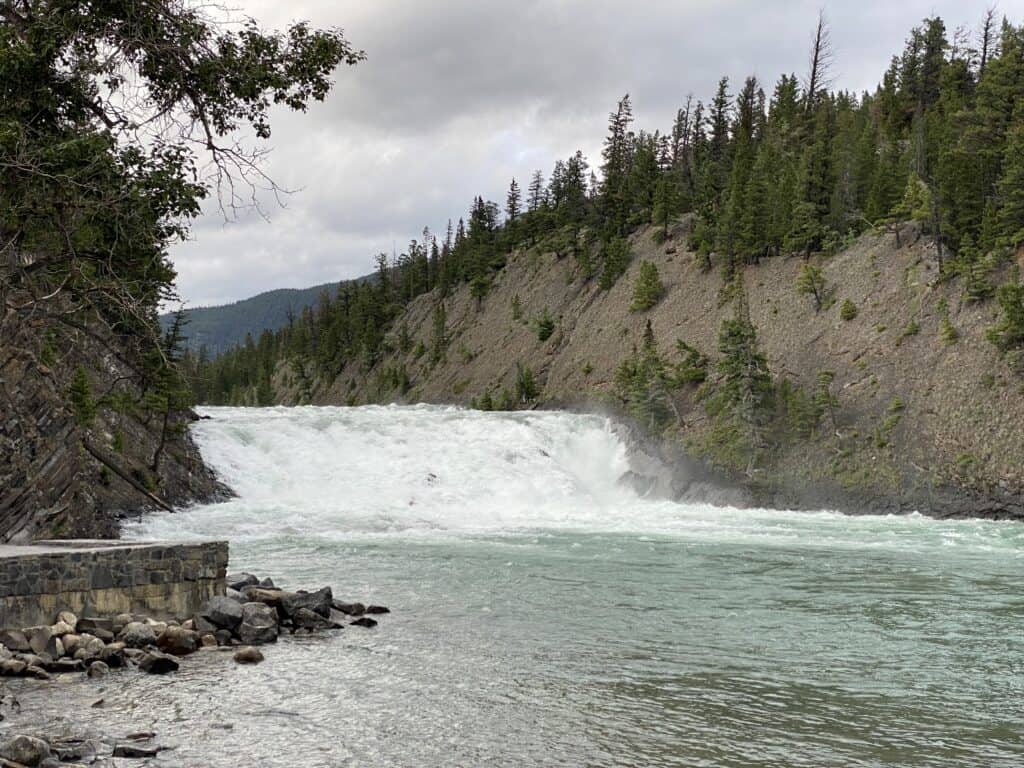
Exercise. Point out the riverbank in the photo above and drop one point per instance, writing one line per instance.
(251, 612)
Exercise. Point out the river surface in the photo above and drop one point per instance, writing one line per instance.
(543, 614)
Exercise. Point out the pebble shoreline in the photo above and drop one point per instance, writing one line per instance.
(252, 612)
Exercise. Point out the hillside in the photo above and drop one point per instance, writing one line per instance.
(221, 327)
(921, 422)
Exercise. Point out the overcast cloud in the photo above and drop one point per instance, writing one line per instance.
(456, 98)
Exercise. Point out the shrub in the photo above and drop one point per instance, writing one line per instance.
(517, 308)
(811, 281)
(848, 310)
(545, 325)
(1008, 334)
(526, 386)
(648, 289)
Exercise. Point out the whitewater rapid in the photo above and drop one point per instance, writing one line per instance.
(433, 471)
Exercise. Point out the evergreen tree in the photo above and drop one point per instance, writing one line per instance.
(512, 204)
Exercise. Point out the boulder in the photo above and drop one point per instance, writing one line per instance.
(364, 621)
(64, 666)
(158, 627)
(190, 624)
(178, 641)
(37, 672)
(222, 612)
(377, 609)
(306, 619)
(248, 655)
(12, 668)
(120, 622)
(209, 641)
(267, 583)
(97, 669)
(103, 634)
(157, 663)
(14, 640)
(240, 581)
(234, 594)
(60, 629)
(113, 655)
(67, 617)
(71, 643)
(352, 609)
(319, 602)
(271, 597)
(259, 624)
(92, 623)
(137, 635)
(42, 640)
(26, 750)
(32, 660)
(201, 625)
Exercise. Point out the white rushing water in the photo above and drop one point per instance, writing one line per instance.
(428, 471)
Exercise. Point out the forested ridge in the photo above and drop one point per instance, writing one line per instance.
(804, 170)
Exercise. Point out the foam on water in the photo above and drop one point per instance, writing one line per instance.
(427, 471)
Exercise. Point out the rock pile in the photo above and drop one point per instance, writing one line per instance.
(253, 612)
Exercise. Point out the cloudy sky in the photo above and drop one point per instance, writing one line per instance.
(457, 97)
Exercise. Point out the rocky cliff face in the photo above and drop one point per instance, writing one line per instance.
(929, 416)
(62, 479)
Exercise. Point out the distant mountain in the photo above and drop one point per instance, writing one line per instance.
(222, 327)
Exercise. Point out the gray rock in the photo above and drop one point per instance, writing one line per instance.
(201, 625)
(208, 641)
(306, 619)
(352, 609)
(37, 672)
(222, 612)
(157, 663)
(319, 602)
(42, 640)
(259, 624)
(71, 643)
(103, 634)
(113, 655)
(15, 641)
(12, 668)
(248, 655)
(97, 669)
(64, 666)
(137, 635)
(364, 621)
(60, 629)
(377, 609)
(67, 617)
(267, 583)
(120, 622)
(26, 750)
(234, 594)
(271, 597)
(178, 641)
(91, 623)
(240, 581)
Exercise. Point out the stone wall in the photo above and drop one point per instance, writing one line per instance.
(102, 578)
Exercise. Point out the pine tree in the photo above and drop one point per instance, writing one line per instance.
(648, 289)
(1010, 190)
(811, 282)
(80, 395)
(512, 204)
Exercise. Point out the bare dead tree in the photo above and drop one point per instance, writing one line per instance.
(819, 74)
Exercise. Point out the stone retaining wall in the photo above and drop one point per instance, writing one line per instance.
(97, 578)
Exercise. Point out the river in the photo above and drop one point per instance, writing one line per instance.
(544, 614)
